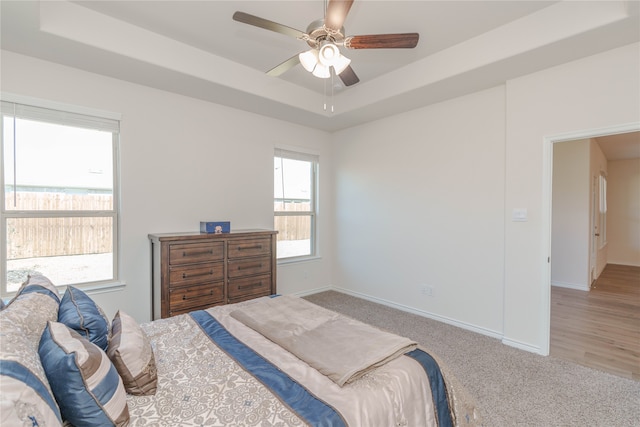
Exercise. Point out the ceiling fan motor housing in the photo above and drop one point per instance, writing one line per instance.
(318, 33)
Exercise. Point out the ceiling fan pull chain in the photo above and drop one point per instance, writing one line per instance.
(332, 85)
(324, 94)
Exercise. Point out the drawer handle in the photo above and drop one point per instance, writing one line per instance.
(184, 297)
(209, 252)
(251, 286)
(244, 248)
(185, 275)
(248, 267)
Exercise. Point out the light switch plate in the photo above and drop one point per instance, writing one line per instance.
(519, 214)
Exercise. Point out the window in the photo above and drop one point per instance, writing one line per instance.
(602, 184)
(59, 213)
(295, 189)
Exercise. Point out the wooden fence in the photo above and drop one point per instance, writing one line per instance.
(293, 227)
(41, 237)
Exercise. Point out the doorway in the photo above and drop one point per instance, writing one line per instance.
(549, 143)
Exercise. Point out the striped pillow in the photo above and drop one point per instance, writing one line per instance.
(131, 353)
(39, 284)
(80, 313)
(25, 395)
(25, 399)
(85, 383)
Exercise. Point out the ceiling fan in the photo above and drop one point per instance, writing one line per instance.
(324, 36)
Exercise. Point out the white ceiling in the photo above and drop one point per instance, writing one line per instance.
(196, 49)
(621, 146)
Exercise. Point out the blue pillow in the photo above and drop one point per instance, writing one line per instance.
(79, 312)
(85, 383)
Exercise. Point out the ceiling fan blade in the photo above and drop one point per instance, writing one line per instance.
(285, 66)
(245, 18)
(348, 76)
(383, 41)
(337, 11)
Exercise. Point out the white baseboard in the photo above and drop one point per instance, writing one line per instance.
(312, 291)
(625, 262)
(579, 287)
(443, 319)
(522, 346)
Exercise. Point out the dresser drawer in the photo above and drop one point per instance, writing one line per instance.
(249, 286)
(248, 248)
(195, 297)
(248, 266)
(190, 253)
(196, 273)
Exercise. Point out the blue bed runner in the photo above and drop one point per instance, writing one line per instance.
(438, 388)
(307, 406)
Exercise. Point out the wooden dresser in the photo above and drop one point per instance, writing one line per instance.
(193, 271)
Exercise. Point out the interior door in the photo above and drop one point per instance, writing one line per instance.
(601, 230)
(595, 221)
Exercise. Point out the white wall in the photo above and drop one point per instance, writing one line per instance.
(420, 200)
(426, 197)
(593, 93)
(571, 219)
(182, 161)
(623, 217)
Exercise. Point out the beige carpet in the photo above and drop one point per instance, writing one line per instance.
(512, 387)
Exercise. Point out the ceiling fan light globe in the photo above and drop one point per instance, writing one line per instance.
(309, 59)
(321, 71)
(328, 54)
(341, 64)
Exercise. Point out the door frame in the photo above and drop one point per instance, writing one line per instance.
(547, 176)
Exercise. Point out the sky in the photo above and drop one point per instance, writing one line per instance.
(297, 176)
(54, 155)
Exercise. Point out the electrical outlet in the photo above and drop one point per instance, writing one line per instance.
(427, 290)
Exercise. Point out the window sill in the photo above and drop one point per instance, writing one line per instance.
(298, 260)
(103, 288)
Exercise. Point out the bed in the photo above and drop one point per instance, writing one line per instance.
(272, 361)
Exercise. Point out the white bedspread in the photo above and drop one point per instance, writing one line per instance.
(199, 383)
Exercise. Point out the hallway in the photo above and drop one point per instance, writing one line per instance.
(601, 328)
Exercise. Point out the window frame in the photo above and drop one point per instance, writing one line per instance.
(313, 158)
(79, 117)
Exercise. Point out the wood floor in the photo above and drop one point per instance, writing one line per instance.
(600, 328)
